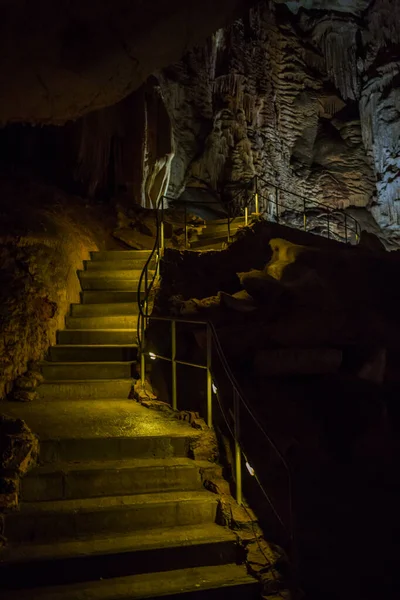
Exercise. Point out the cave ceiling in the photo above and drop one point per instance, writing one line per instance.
(60, 60)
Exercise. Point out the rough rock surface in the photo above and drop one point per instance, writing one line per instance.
(72, 58)
(19, 450)
(260, 99)
(44, 238)
(307, 98)
(322, 400)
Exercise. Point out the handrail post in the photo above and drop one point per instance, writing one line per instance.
(345, 226)
(173, 364)
(142, 354)
(162, 240)
(304, 214)
(186, 230)
(256, 196)
(209, 377)
(238, 453)
(246, 215)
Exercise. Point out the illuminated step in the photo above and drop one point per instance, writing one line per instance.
(86, 370)
(92, 389)
(102, 322)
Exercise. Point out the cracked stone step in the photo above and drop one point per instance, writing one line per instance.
(200, 583)
(115, 265)
(67, 519)
(102, 322)
(94, 557)
(94, 389)
(105, 309)
(53, 371)
(109, 283)
(106, 353)
(107, 255)
(90, 479)
(97, 336)
(113, 448)
(110, 296)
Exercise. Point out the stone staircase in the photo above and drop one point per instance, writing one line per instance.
(116, 508)
(215, 234)
(96, 352)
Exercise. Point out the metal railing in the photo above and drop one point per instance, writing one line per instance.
(239, 404)
(272, 202)
(253, 193)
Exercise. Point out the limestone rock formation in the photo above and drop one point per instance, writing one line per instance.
(267, 96)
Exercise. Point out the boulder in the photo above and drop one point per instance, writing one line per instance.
(240, 301)
(262, 286)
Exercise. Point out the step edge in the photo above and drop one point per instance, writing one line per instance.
(207, 534)
(91, 505)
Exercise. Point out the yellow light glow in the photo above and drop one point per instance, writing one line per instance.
(250, 469)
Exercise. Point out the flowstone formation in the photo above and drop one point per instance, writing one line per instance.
(305, 95)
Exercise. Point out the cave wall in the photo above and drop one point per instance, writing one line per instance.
(308, 99)
(45, 236)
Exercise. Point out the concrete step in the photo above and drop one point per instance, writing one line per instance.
(198, 583)
(56, 371)
(73, 353)
(107, 255)
(102, 322)
(115, 265)
(87, 337)
(102, 448)
(94, 558)
(102, 274)
(105, 284)
(209, 243)
(68, 519)
(105, 309)
(110, 296)
(94, 389)
(91, 479)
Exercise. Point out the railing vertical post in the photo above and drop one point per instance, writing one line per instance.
(186, 229)
(246, 215)
(173, 364)
(162, 240)
(304, 215)
(209, 377)
(329, 223)
(345, 227)
(142, 345)
(238, 453)
(257, 208)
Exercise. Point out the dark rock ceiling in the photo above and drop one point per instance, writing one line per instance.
(61, 59)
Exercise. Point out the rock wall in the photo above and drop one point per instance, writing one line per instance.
(44, 237)
(307, 99)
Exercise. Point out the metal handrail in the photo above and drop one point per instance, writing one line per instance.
(212, 336)
(238, 403)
